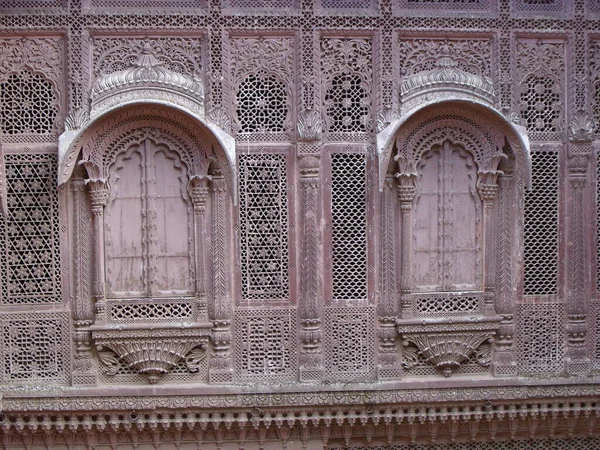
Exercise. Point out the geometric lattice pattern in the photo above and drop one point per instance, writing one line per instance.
(446, 304)
(347, 104)
(540, 6)
(257, 5)
(586, 443)
(452, 5)
(148, 3)
(541, 226)
(598, 224)
(595, 335)
(35, 347)
(263, 227)
(349, 226)
(265, 345)
(540, 336)
(154, 310)
(540, 101)
(349, 339)
(28, 104)
(29, 237)
(262, 104)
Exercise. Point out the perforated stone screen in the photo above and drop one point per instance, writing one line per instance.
(348, 226)
(541, 226)
(29, 235)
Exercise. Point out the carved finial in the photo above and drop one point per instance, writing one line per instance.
(581, 127)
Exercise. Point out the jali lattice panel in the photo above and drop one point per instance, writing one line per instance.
(29, 236)
(541, 226)
(540, 338)
(349, 343)
(264, 227)
(348, 226)
(35, 348)
(265, 345)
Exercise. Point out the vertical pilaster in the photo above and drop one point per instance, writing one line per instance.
(310, 283)
(98, 190)
(219, 302)
(198, 187)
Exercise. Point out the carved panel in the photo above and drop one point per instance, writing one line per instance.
(447, 222)
(148, 228)
(542, 7)
(264, 227)
(35, 348)
(541, 88)
(262, 75)
(31, 90)
(541, 226)
(348, 227)
(346, 65)
(29, 234)
(265, 345)
(349, 343)
(540, 338)
(594, 74)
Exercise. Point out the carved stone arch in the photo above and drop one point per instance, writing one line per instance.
(452, 227)
(184, 123)
(482, 115)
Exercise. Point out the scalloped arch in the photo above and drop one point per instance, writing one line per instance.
(486, 118)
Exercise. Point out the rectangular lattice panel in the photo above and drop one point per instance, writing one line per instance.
(135, 4)
(29, 235)
(264, 227)
(586, 443)
(260, 4)
(26, 4)
(348, 226)
(541, 226)
(594, 326)
(344, 4)
(598, 225)
(349, 343)
(151, 310)
(540, 338)
(444, 5)
(35, 347)
(552, 7)
(265, 345)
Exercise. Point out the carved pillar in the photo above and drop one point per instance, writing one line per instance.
(488, 190)
(406, 178)
(504, 363)
(84, 373)
(99, 197)
(219, 302)
(310, 294)
(577, 361)
(198, 188)
(389, 364)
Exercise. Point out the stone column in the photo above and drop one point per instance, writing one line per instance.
(310, 282)
(389, 364)
(99, 193)
(504, 363)
(84, 373)
(406, 178)
(488, 190)
(577, 361)
(219, 301)
(198, 189)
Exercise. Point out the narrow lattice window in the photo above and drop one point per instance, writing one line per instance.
(29, 235)
(263, 227)
(347, 104)
(541, 226)
(596, 93)
(540, 331)
(540, 104)
(27, 105)
(349, 230)
(598, 224)
(262, 104)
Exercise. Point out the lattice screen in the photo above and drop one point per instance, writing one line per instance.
(265, 345)
(29, 237)
(540, 102)
(17, 4)
(598, 225)
(541, 226)
(35, 347)
(262, 104)
(586, 443)
(148, 3)
(258, 4)
(594, 323)
(540, 336)
(349, 343)
(453, 5)
(28, 104)
(349, 226)
(264, 227)
(540, 6)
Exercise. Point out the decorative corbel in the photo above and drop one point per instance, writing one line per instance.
(581, 127)
(309, 126)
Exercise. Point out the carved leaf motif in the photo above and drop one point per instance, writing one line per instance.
(110, 363)
(410, 357)
(483, 355)
(272, 55)
(40, 55)
(310, 126)
(195, 358)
